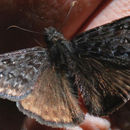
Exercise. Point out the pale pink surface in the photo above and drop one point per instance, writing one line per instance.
(110, 11)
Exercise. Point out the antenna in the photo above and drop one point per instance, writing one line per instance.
(69, 11)
(31, 31)
(23, 29)
(27, 30)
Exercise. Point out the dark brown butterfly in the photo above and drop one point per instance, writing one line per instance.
(45, 81)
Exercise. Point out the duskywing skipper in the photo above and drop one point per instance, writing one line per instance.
(45, 82)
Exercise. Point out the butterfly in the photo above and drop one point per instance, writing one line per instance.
(45, 82)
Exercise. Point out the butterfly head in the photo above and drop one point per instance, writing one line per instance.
(52, 36)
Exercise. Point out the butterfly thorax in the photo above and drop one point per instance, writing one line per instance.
(59, 48)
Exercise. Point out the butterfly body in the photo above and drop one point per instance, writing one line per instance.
(59, 49)
(45, 81)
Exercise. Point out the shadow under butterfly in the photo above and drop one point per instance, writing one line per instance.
(44, 82)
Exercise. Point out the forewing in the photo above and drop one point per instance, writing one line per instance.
(110, 42)
(19, 72)
(103, 58)
(52, 102)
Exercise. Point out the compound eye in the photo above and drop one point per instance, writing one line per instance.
(55, 39)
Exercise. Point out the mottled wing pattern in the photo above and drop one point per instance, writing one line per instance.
(110, 42)
(19, 71)
(52, 102)
(103, 58)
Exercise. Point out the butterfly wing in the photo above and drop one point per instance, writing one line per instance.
(19, 71)
(103, 58)
(27, 76)
(52, 102)
(107, 42)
